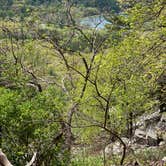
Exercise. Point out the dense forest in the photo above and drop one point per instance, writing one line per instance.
(74, 93)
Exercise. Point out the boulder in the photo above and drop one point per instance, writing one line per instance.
(113, 148)
(151, 133)
(152, 119)
(148, 137)
(140, 133)
(140, 137)
(164, 159)
(162, 143)
(116, 148)
(151, 136)
(161, 128)
(163, 117)
(147, 120)
(152, 129)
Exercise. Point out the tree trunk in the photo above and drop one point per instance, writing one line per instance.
(4, 160)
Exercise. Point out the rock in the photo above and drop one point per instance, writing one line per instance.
(113, 148)
(140, 133)
(148, 137)
(147, 120)
(162, 143)
(126, 140)
(164, 159)
(152, 119)
(108, 150)
(151, 136)
(140, 137)
(116, 147)
(151, 132)
(140, 123)
(161, 127)
(163, 117)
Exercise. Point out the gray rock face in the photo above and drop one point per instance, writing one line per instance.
(116, 148)
(146, 138)
(140, 137)
(163, 117)
(162, 143)
(164, 159)
(150, 132)
(140, 133)
(113, 148)
(153, 129)
(152, 119)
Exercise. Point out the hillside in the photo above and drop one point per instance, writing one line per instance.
(82, 83)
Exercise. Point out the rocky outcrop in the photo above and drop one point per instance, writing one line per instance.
(116, 147)
(152, 130)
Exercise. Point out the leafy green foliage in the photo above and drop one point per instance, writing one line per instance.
(61, 83)
(30, 125)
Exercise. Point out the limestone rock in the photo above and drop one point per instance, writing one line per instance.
(162, 143)
(152, 129)
(113, 148)
(164, 159)
(140, 137)
(116, 147)
(153, 118)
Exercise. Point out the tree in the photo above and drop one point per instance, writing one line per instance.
(60, 79)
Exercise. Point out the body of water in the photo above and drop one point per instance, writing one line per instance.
(96, 21)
